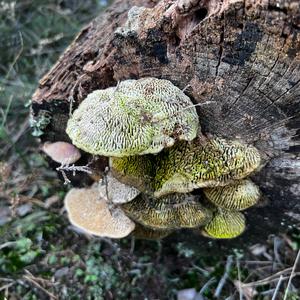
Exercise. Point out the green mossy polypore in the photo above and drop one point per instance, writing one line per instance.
(170, 212)
(239, 195)
(191, 165)
(225, 225)
(187, 166)
(135, 118)
(137, 171)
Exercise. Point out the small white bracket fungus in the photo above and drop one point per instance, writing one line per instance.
(135, 118)
(91, 213)
(115, 191)
(62, 152)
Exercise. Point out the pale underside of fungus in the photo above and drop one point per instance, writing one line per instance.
(142, 232)
(115, 191)
(170, 212)
(134, 118)
(91, 213)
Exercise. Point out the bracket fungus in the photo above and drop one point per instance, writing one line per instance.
(188, 166)
(137, 171)
(217, 162)
(62, 152)
(91, 213)
(130, 123)
(134, 118)
(239, 195)
(115, 191)
(170, 212)
(225, 225)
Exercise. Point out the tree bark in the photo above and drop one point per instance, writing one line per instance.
(239, 59)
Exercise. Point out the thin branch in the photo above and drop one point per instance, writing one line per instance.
(206, 286)
(239, 278)
(6, 286)
(73, 169)
(30, 279)
(277, 287)
(292, 275)
(224, 277)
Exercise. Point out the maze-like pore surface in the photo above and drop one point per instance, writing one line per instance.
(188, 166)
(135, 118)
(226, 225)
(171, 212)
(191, 165)
(239, 195)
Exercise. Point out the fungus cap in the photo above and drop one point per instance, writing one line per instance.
(239, 195)
(225, 225)
(188, 166)
(169, 212)
(115, 191)
(135, 118)
(92, 214)
(62, 152)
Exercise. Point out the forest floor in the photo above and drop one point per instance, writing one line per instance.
(41, 255)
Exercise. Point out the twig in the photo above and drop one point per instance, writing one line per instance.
(291, 276)
(224, 277)
(277, 287)
(30, 278)
(206, 286)
(267, 280)
(8, 245)
(282, 272)
(17, 56)
(6, 286)
(132, 245)
(73, 169)
(203, 271)
(276, 243)
(239, 278)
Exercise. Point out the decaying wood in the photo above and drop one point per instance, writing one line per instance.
(239, 59)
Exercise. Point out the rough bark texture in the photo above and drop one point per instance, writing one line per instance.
(239, 58)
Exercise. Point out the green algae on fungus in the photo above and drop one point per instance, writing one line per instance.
(135, 118)
(137, 171)
(225, 225)
(170, 212)
(191, 165)
(239, 195)
(187, 166)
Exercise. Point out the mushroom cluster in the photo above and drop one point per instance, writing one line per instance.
(150, 131)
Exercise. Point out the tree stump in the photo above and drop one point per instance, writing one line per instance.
(238, 59)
